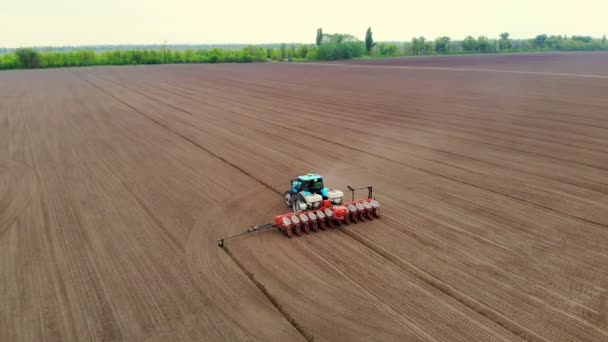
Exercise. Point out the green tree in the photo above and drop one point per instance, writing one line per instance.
(483, 44)
(319, 39)
(469, 44)
(539, 41)
(555, 42)
(215, 56)
(504, 43)
(283, 50)
(333, 51)
(369, 40)
(428, 47)
(418, 45)
(276, 55)
(302, 51)
(291, 52)
(348, 50)
(29, 58)
(165, 53)
(252, 53)
(407, 48)
(526, 44)
(9, 61)
(190, 56)
(385, 49)
(327, 52)
(86, 57)
(584, 39)
(442, 44)
(604, 40)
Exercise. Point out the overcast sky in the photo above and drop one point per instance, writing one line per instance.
(87, 22)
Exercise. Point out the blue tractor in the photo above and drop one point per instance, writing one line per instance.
(307, 192)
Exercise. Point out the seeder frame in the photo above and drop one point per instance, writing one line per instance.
(252, 229)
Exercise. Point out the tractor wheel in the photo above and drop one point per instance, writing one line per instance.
(287, 198)
(295, 203)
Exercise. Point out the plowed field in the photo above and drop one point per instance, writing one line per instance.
(115, 183)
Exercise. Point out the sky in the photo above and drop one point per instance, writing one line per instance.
(96, 22)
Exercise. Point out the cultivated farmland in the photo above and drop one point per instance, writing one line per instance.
(115, 183)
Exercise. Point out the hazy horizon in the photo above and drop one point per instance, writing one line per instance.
(139, 22)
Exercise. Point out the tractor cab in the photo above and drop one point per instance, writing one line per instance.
(308, 192)
(310, 183)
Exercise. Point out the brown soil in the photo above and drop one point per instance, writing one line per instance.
(115, 183)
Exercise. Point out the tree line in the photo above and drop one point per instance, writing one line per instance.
(420, 46)
(327, 47)
(28, 58)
